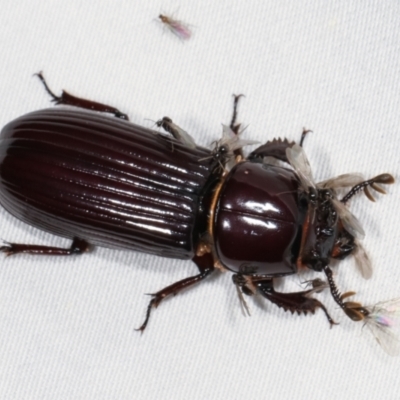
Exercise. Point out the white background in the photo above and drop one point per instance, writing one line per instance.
(67, 324)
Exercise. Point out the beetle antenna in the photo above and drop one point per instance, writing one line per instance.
(385, 179)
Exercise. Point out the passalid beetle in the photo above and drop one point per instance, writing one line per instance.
(104, 181)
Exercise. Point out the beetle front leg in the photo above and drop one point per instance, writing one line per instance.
(276, 148)
(205, 264)
(300, 302)
(355, 311)
(78, 246)
(70, 100)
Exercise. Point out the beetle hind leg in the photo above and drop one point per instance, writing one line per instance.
(70, 100)
(78, 246)
(299, 302)
(205, 264)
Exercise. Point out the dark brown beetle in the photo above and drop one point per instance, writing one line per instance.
(107, 182)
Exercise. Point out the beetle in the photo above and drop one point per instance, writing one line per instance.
(101, 181)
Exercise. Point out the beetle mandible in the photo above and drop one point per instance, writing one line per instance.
(104, 181)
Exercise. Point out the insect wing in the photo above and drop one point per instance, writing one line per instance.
(183, 136)
(232, 141)
(242, 301)
(239, 143)
(298, 160)
(362, 260)
(178, 28)
(181, 30)
(350, 222)
(342, 181)
(384, 323)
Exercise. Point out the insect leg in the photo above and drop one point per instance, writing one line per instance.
(276, 148)
(78, 246)
(303, 136)
(300, 302)
(205, 264)
(355, 311)
(70, 100)
(233, 125)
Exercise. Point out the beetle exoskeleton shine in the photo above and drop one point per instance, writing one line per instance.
(104, 181)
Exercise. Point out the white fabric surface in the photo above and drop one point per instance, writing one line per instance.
(67, 324)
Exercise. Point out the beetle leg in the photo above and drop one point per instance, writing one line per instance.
(276, 148)
(385, 179)
(355, 311)
(78, 246)
(205, 264)
(70, 100)
(233, 125)
(300, 302)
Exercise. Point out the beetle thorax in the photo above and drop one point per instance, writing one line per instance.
(257, 220)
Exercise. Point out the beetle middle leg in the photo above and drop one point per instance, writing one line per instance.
(300, 302)
(78, 246)
(205, 264)
(233, 125)
(70, 100)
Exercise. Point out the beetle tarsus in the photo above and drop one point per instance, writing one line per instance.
(70, 100)
(5, 247)
(55, 98)
(205, 264)
(303, 136)
(233, 125)
(149, 308)
(78, 246)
